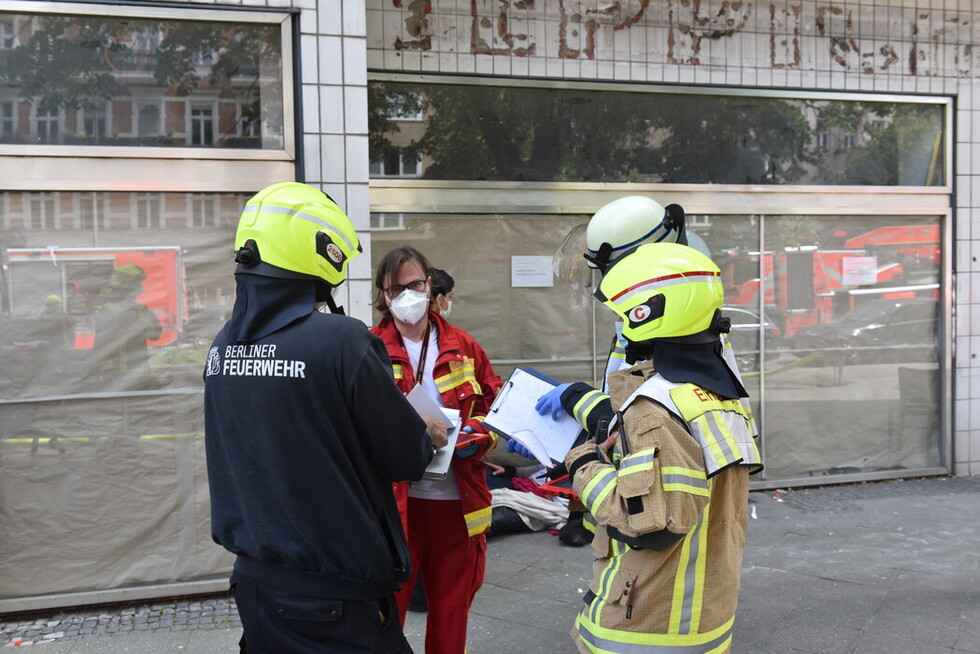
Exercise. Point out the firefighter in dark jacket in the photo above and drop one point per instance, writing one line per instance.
(305, 432)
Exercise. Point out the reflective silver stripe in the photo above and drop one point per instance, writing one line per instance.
(586, 404)
(743, 439)
(740, 427)
(635, 460)
(605, 584)
(302, 215)
(719, 438)
(711, 463)
(617, 647)
(703, 276)
(690, 575)
(686, 480)
(602, 482)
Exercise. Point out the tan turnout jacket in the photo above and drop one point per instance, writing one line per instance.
(681, 598)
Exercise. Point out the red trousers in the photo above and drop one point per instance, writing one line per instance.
(452, 565)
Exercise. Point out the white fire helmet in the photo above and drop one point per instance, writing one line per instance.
(627, 223)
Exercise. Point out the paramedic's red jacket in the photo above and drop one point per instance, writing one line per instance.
(466, 381)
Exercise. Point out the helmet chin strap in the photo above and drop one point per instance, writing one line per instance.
(324, 293)
(601, 258)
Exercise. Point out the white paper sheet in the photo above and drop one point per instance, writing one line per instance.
(514, 416)
(425, 406)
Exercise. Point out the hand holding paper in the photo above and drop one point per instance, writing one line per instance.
(436, 428)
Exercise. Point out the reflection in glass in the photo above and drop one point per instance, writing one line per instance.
(105, 325)
(90, 80)
(483, 132)
(853, 325)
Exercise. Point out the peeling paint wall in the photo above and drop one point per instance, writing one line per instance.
(819, 36)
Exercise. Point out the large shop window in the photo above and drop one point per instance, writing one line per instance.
(520, 133)
(828, 215)
(837, 325)
(103, 341)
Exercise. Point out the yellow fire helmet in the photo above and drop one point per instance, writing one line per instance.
(665, 291)
(296, 229)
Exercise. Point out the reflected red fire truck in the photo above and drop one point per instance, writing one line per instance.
(79, 275)
(809, 285)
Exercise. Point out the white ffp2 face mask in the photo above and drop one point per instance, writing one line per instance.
(410, 306)
(448, 309)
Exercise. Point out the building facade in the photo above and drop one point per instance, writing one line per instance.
(825, 153)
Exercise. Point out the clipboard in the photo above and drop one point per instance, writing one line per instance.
(560, 487)
(513, 415)
(438, 468)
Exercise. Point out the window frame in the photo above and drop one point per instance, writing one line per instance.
(110, 167)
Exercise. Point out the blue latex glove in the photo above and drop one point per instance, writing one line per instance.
(550, 402)
(467, 430)
(517, 448)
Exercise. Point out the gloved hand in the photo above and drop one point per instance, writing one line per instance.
(467, 430)
(551, 402)
(514, 446)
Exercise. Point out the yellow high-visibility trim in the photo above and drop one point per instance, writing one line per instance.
(685, 480)
(585, 405)
(603, 640)
(598, 489)
(641, 461)
(466, 373)
(396, 368)
(700, 564)
(694, 401)
(605, 583)
(713, 445)
(680, 576)
(478, 522)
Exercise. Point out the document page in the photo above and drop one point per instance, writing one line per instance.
(425, 406)
(514, 416)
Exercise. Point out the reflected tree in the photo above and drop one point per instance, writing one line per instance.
(519, 133)
(731, 140)
(71, 62)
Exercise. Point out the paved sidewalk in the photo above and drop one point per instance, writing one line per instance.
(887, 567)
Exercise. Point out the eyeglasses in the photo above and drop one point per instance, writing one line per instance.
(395, 290)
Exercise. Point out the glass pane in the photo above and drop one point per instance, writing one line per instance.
(104, 330)
(63, 66)
(566, 134)
(853, 322)
(547, 328)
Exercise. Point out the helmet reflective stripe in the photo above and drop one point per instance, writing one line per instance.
(651, 285)
(266, 209)
(619, 249)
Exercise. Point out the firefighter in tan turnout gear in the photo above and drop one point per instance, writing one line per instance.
(668, 488)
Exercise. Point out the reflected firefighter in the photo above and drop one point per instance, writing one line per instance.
(123, 327)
